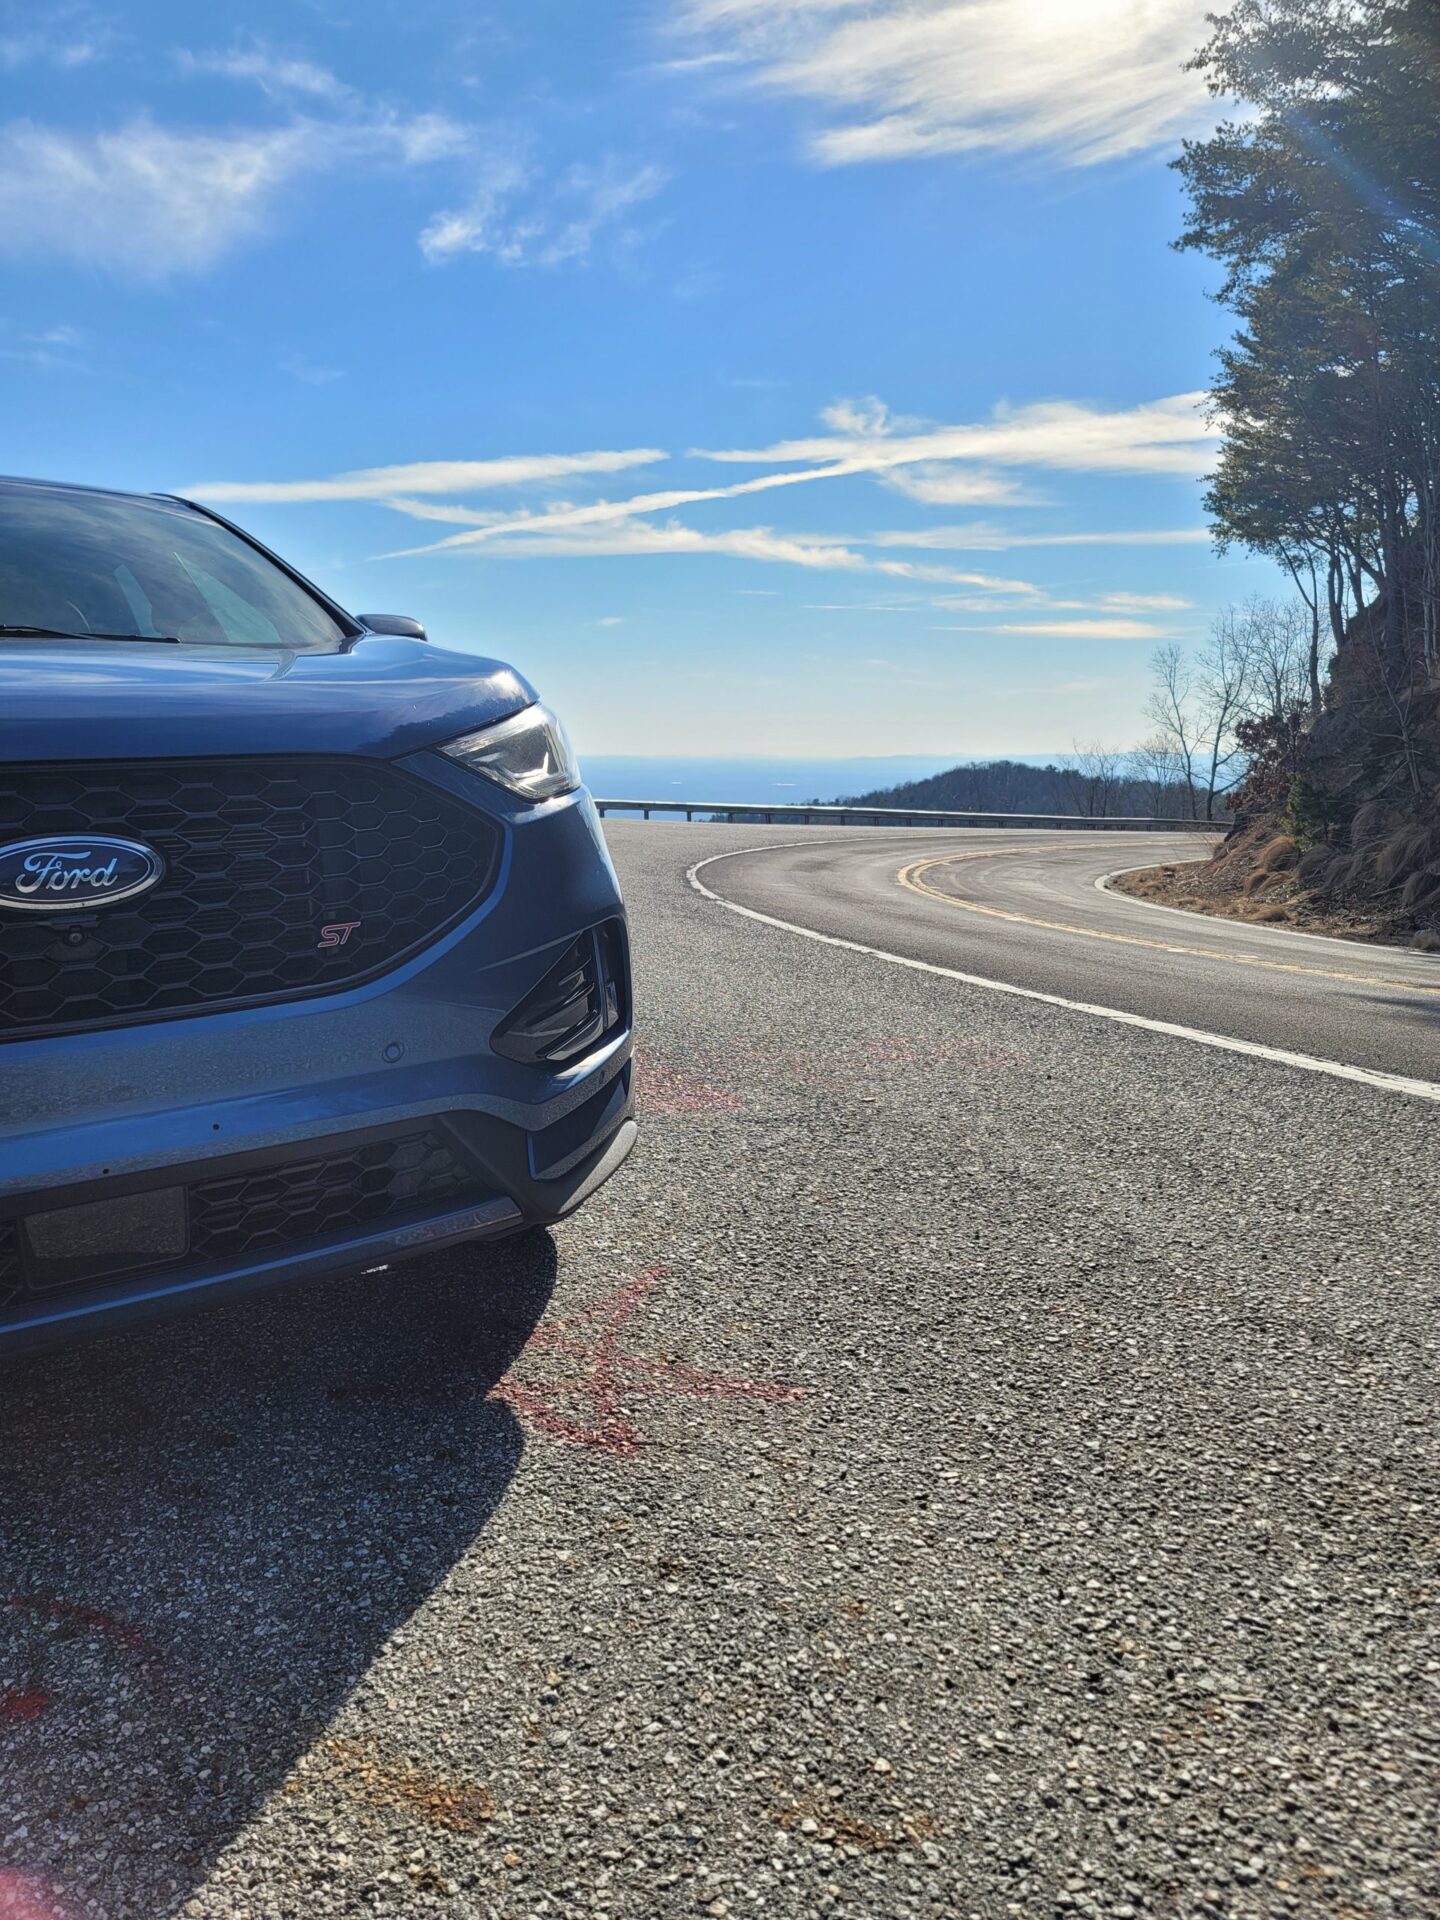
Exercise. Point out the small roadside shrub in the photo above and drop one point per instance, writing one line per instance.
(1311, 815)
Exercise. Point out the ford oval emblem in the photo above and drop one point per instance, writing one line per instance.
(66, 872)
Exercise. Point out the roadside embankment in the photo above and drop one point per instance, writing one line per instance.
(1255, 876)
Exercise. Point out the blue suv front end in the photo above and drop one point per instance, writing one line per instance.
(362, 989)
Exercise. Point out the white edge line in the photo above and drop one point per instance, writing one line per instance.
(1305, 1062)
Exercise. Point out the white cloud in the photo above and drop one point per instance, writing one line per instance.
(865, 441)
(566, 515)
(482, 224)
(555, 536)
(148, 201)
(276, 74)
(58, 348)
(984, 538)
(935, 484)
(1078, 629)
(1143, 602)
(867, 416)
(627, 537)
(1165, 436)
(431, 476)
(522, 221)
(142, 200)
(77, 45)
(1085, 80)
(1160, 436)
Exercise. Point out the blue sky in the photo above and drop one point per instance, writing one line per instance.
(774, 376)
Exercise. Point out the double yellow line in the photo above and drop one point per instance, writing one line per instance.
(912, 877)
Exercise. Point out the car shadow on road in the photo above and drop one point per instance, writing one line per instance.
(209, 1531)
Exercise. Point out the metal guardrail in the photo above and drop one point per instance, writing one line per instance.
(840, 816)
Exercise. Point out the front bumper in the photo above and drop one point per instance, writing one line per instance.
(232, 1109)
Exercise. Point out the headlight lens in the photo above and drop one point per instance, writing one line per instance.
(528, 753)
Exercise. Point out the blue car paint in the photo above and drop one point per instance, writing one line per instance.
(125, 1102)
(76, 699)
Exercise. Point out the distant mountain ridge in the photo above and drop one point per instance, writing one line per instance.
(1089, 786)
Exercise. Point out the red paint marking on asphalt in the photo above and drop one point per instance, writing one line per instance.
(607, 1378)
(662, 1088)
(23, 1703)
(23, 1897)
(106, 1626)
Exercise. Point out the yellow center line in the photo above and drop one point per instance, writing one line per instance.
(911, 877)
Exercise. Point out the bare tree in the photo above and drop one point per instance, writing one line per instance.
(1277, 634)
(1196, 705)
(1225, 671)
(1172, 707)
(1158, 772)
(1093, 779)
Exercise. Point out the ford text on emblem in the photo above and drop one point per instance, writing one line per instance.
(66, 872)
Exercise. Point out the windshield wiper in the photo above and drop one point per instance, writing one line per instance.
(65, 633)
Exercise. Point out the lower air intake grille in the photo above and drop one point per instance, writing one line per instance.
(327, 1197)
(336, 1190)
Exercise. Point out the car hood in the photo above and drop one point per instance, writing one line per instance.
(113, 700)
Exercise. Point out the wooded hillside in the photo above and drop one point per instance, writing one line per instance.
(1321, 201)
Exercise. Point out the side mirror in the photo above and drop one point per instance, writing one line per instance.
(396, 623)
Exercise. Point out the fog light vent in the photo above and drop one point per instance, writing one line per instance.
(580, 1001)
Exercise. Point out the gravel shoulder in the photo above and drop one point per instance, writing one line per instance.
(973, 1461)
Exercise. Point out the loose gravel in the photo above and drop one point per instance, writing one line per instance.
(973, 1462)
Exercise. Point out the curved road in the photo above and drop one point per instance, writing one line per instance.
(978, 1458)
(1029, 910)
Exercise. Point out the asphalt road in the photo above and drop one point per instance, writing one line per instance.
(1028, 908)
(977, 1459)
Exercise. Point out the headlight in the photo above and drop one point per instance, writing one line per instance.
(528, 753)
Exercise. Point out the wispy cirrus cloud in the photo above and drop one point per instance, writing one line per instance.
(1074, 629)
(863, 441)
(819, 552)
(1167, 436)
(567, 516)
(933, 484)
(983, 537)
(1082, 80)
(58, 349)
(148, 201)
(280, 75)
(143, 200)
(1142, 602)
(520, 218)
(1172, 435)
(432, 477)
(70, 37)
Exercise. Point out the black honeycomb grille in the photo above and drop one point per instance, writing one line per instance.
(327, 1197)
(341, 1189)
(260, 856)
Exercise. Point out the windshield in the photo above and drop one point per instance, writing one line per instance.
(82, 563)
